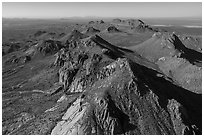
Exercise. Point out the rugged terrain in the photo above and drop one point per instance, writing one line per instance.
(118, 77)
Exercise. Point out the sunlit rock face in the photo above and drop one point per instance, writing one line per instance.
(122, 102)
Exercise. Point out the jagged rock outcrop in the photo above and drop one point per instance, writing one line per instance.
(186, 53)
(82, 80)
(122, 101)
(192, 42)
(26, 59)
(174, 59)
(142, 27)
(73, 36)
(10, 47)
(92, 30)
(39, 33)
(91, 22)
(112, 29)
(101, 22)
(48, 47)
(67, 73)
(62, 34)
(61, 57)
(136, 25)
(131, 22)
(178, 114)
(117, 20)
(93, 87)
(96, 22)
(18, 59)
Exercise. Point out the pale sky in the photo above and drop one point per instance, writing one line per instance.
(106, 9)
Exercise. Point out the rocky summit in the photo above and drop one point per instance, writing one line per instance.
(124, 97)
(80, 83)
(92, 30)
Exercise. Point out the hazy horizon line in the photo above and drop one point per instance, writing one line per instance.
(190, 17)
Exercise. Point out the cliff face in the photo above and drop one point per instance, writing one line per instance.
(119, 96)
(136, 25)
(175, 59)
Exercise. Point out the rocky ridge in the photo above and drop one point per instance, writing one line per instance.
(103, 89)
(111, 93)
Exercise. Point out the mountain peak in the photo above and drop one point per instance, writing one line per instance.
(141, 21)
(113, 29)
(92, 30)
(76, 32)
(74, 35)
